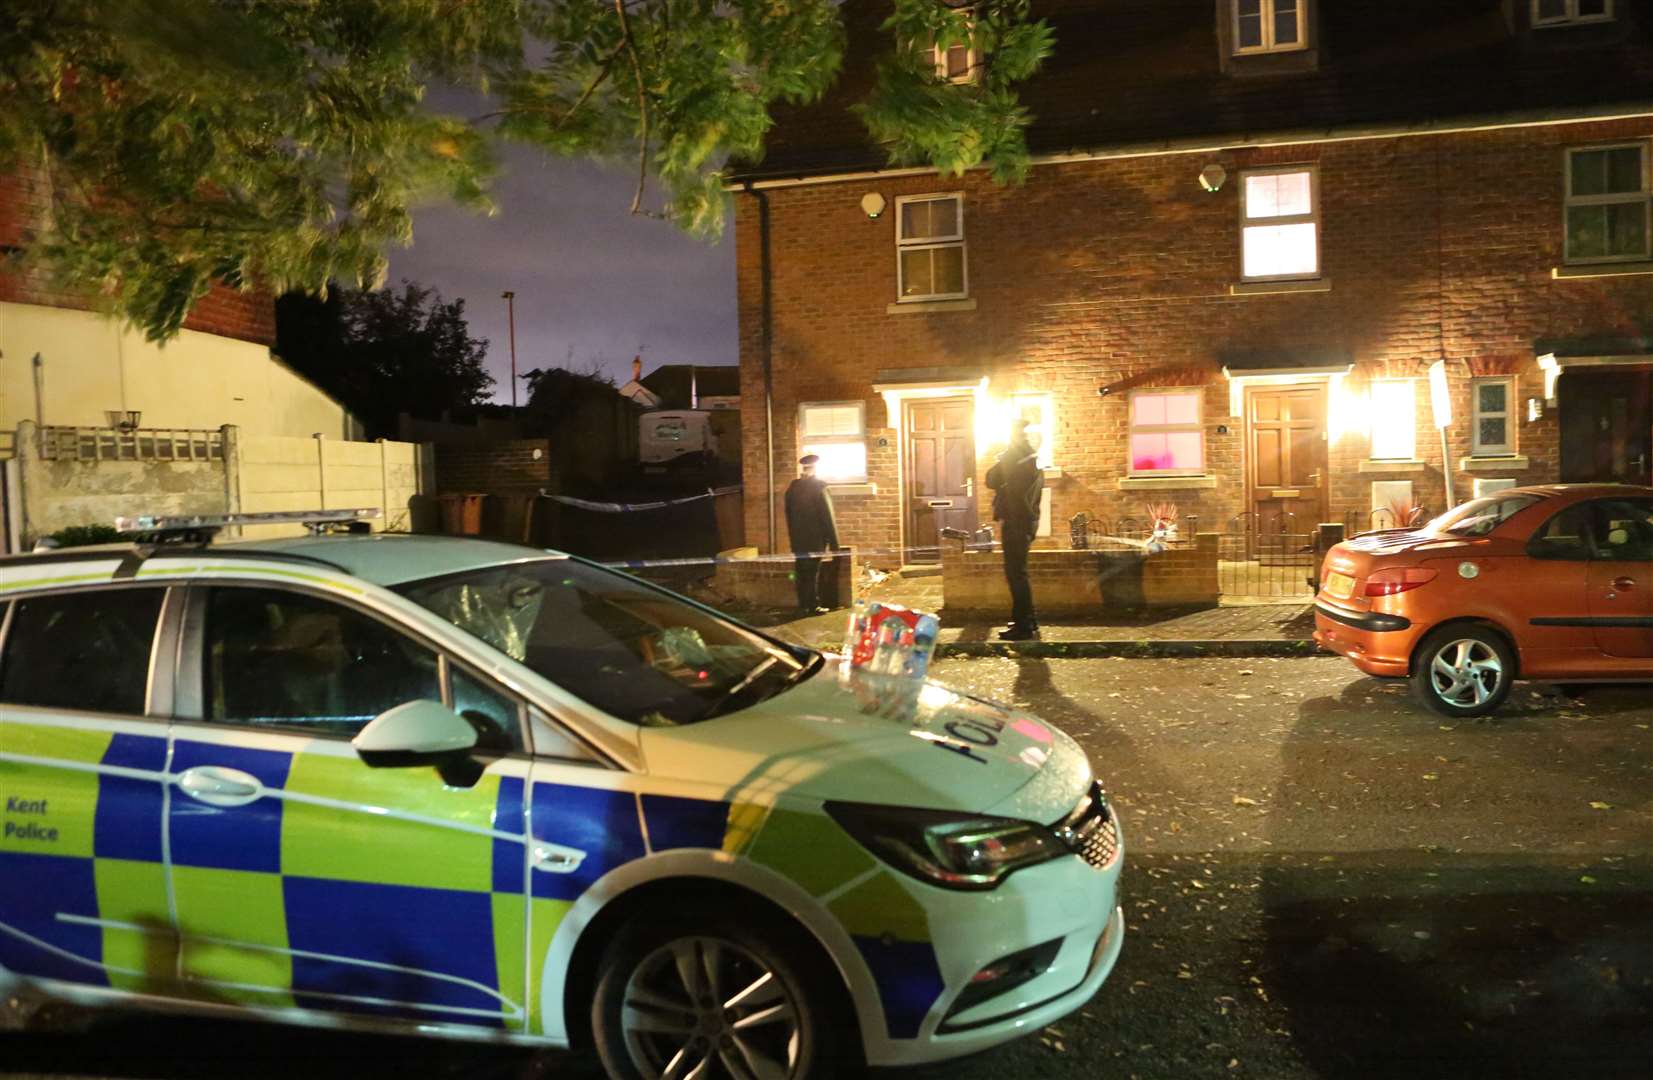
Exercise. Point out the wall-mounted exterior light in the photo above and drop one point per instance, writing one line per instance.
(1551, 367)
(1212, 178)
(872, 204)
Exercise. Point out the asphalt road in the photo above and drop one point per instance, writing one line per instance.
(1324, 881)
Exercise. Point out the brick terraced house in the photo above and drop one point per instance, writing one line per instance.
(1265, 246)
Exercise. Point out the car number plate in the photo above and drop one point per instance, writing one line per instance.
(1339, 585)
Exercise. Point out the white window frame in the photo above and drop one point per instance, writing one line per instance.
(858, 439)
(1571, 17)
(1508, 416)
(938, 57)
(1645, 195)
(1371, 448)
(1312, 218)
(930, 243)
(1268, 45)
(1133, 429)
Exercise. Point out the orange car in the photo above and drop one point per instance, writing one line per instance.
(1550, 582)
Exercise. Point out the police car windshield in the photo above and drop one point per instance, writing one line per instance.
(634, 651)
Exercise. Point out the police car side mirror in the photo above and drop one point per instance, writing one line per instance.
(416, 733)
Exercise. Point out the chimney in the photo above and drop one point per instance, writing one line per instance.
(637, 369)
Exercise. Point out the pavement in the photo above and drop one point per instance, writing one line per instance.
(1250, 630)
(1323, 881)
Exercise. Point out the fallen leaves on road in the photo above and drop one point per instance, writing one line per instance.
(1597, 805)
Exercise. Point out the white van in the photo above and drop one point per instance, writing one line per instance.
(676, 437)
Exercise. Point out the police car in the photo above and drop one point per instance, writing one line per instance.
(475, 789)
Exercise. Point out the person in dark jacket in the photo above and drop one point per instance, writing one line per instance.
(1018, 485)
(813, 529)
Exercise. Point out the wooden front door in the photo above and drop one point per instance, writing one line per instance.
(941, 472)
(1607, 427)
(1285, 464)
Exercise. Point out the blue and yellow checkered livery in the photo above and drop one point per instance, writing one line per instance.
(380, 892)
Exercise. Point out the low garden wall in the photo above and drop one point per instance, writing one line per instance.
(769, 582)
(1073, 583)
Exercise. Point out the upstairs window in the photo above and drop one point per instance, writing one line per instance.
(1608, 202)
(956, 61)
(1167, 433)
(1571, 12)
(1493, 399)
(1265, 26)
(836, 432)
(1280, 224)
(930, 247)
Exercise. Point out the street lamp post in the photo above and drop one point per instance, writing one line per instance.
(511, 322)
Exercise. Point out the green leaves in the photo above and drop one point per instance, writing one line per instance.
(184, 142)
(284, 144)
(922, 118)
(682, 86)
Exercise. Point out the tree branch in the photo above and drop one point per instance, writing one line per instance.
(568, 114)
(642, 108)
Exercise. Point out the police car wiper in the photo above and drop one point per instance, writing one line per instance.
(729, 695)
(806, 670)
(796, 675)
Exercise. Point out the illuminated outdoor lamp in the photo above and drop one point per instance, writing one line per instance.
(1551, 367)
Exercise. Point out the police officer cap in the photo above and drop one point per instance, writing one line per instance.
(809, 459)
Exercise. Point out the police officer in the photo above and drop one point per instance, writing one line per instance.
(1018, 485)
(814, 531)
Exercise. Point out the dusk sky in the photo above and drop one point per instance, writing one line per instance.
(587, 275)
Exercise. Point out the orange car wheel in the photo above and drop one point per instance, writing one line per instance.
(1463, 670)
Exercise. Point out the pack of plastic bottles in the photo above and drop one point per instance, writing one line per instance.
(888, 639)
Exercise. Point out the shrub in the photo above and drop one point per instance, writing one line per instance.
(81, 535)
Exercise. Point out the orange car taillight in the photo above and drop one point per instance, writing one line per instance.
(1391, 582)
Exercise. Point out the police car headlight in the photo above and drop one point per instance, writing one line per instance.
(955, 851)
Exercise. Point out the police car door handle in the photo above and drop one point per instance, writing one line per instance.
(219, 786)
(556, 859)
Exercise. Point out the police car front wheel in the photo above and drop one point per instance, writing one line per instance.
(710, 997)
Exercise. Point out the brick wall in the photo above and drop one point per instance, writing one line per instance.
(1184, 575)
(1437, 247)
(772, 584)
(24, 200)
(501, 468)
(1077, 583)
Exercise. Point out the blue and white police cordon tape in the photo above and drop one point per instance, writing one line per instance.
(626, 508)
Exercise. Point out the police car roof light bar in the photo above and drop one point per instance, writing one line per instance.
(202, 527)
